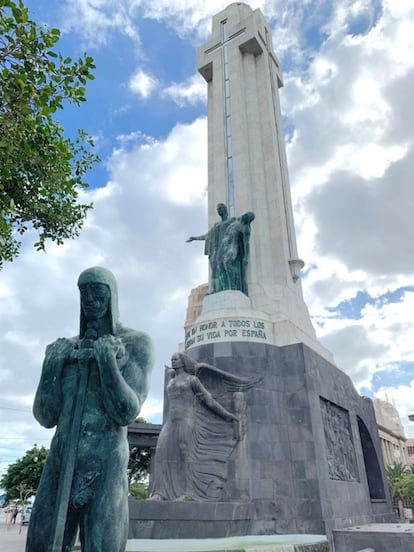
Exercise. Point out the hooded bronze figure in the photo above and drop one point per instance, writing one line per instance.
(92, 386)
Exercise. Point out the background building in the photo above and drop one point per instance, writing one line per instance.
(195, 305)
(391, 433)
(410, 451)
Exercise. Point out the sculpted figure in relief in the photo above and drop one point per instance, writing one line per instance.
(199, 433)
(92, 386)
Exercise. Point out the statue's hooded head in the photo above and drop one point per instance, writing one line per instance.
(100, 275)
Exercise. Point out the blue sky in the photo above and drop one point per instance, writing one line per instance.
(348, 69)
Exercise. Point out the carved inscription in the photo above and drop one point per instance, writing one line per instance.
(339, 445)
(222, 330)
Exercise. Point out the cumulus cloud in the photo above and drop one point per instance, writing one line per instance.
(367, 223)
(155, 199)
(97, 20)
(142, 83)
(351, 158)
(192, 91)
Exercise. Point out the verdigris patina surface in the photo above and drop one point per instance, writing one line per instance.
(200, 432)
(227, 248)
(213, 239)
(234, 251)
(92, 386)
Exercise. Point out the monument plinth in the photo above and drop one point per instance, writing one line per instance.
(300, 452)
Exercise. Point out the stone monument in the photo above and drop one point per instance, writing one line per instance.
(308, 458)
(92, 386)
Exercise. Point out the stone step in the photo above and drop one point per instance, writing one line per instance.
(261, 543)
(376, 537)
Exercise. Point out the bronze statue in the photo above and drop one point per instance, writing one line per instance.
(213, 240)
(235, 253)
(227, 247)
(92, 386)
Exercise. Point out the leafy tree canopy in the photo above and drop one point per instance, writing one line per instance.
(395, 476)
(139, 491)
(41, 171)
(23, 476)
(408, 485)
(139, 465)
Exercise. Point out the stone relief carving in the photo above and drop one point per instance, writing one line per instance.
(205, 418)
(339, 445)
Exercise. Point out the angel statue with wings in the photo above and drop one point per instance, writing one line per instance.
(199, 432)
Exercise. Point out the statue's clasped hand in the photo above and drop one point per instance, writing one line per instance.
(109, 346)
(61, 349)
(85, 355)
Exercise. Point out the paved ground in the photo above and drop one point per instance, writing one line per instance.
(12, 537)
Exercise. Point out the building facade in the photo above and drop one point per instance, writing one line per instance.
(410, 451)
(391, 433)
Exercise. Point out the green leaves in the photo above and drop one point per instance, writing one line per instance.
(40, 170)
(401, 480)
(138, 465)
(23, 476)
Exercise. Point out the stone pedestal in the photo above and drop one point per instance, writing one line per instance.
(230, 316)
(384, 537)
(310, 461)
(188, 520)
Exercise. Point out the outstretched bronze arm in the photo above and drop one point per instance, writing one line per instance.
(193, 238)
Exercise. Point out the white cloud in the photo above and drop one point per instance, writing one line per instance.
(138, 227)
(402, 398)
(142, 83)
(192, 91)
(381, 337)
(95, 20)
(351, 157)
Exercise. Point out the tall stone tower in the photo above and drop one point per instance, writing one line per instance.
(262, 431)
(247, 170)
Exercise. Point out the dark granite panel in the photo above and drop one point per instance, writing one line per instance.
(302, 451)
(308, 488)
(286, 526)
(380, 541)
(283, 487)
(265, 509)
(309, 508)
(311, 526)
(299, 470)
(282, 462)
(297, 399)
(223, 349)
(262, 488)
